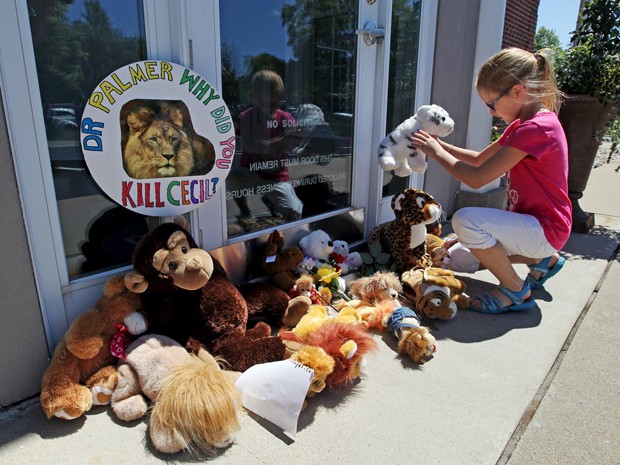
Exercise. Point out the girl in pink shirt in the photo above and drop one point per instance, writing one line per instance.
(518, 87)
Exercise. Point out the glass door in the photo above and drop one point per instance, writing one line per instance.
(289, 81)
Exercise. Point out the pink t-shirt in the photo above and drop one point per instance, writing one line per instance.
(538, 184)
(270, 166)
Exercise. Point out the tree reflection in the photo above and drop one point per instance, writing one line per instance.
(73, 56)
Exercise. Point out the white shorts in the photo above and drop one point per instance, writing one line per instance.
(518, 233)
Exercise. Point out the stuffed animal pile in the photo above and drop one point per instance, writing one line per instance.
(396, 152)
(327, 260)
(198, 319)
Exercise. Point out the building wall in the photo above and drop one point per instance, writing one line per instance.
(453, 78)
(22, 337)
(520, 23)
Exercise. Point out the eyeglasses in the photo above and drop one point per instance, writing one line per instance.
(497, 99)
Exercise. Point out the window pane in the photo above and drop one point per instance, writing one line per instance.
(77, 44)
(289, 81)
(402, 80)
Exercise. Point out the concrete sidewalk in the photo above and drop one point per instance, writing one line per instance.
(537, 387)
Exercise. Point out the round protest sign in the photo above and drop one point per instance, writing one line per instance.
(157, 138)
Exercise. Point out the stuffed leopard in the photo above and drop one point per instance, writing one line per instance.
(405, 237)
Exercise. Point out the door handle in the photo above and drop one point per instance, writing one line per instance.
(371, 33)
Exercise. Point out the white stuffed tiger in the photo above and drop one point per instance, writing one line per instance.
(396, 153)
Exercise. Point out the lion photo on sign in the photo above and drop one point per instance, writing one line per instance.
(158, 141)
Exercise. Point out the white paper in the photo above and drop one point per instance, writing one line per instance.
(276, 391)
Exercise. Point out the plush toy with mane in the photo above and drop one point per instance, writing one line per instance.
(82, 372)
(320, 362)
(436, 292)
(373, 296)
(319, 315)
(396, 152)
(348, 344)
(187, 296)
(405, 236)
(195, 404)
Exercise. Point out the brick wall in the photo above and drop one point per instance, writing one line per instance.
(520, 23)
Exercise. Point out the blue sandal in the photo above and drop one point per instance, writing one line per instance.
(543, 267)
(491, 304)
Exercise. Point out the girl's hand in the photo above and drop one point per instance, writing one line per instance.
(426, 143)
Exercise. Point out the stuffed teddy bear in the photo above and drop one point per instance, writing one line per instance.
(82, 372)
(404, 238)
(436, 292)
(317, 247)
(279, 262)
(195, 402)
(319, 262)
(347, 261)
(187, 296)
(396, 153)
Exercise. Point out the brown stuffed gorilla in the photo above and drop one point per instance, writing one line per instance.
(187, 296)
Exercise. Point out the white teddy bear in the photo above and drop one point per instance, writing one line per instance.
(347, 261)
(396, 152)
(316, 246)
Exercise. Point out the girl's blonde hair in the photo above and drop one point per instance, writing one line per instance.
(267, 84)
(513, 66)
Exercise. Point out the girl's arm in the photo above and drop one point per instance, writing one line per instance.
(471, 157)
(495, 159)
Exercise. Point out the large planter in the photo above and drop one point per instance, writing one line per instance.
(583, 119)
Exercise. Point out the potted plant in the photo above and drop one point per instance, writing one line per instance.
(589, 74)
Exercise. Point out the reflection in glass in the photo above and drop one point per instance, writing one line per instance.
(402, 79)
(289, 82)
(76, 44)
